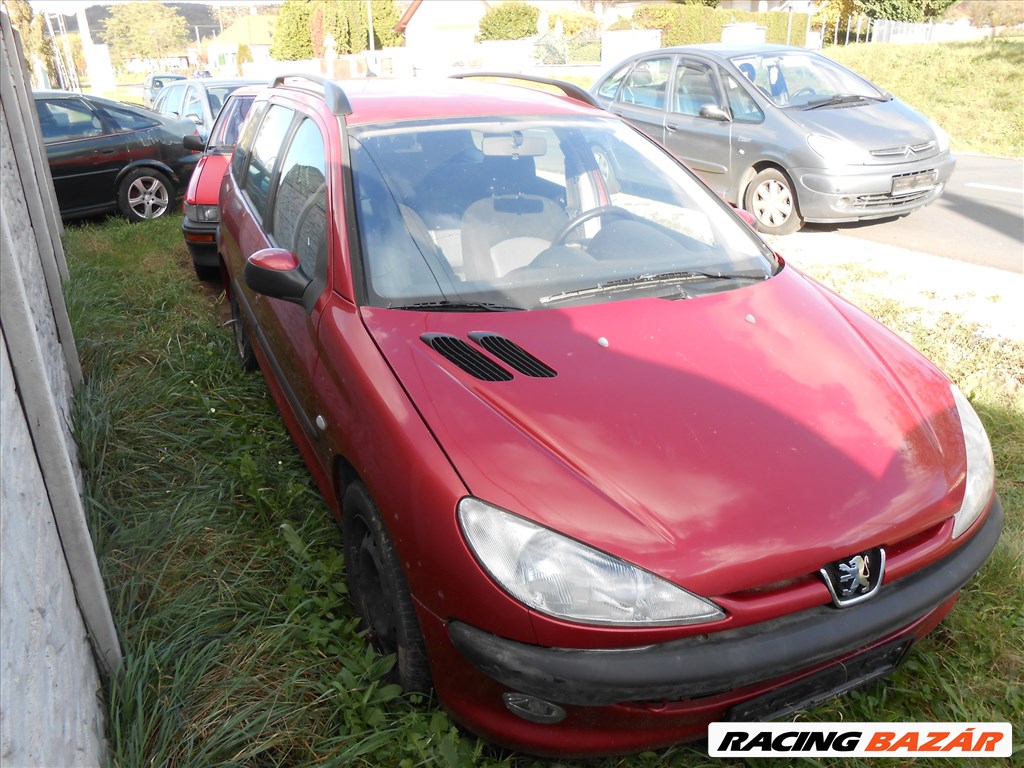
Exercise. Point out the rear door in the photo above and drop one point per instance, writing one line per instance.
(642, 95)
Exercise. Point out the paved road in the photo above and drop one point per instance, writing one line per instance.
(979, 218)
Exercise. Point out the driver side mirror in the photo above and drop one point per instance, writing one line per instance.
(275, 272)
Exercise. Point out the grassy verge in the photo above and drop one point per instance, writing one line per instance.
(971, 89)
(226, 581)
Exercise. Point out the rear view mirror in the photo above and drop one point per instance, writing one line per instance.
(513, 144)
(193, 142)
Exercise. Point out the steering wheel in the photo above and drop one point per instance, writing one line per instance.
(805, 91)
(593, 213)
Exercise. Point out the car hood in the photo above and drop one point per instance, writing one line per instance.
(869, 125)
(724, 442)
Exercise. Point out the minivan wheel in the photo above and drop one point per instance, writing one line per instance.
(243, 347)
(379, 592)
(770, 197)
(144, 194)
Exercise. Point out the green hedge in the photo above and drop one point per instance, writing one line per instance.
(687, 24)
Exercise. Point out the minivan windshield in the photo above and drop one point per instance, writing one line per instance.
(805, 80)
(506, 213)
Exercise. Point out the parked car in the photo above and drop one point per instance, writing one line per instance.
(785, 133)
(154, 83)
(202, 215)
(606, 467)
(199, 100)
(105, 155)
(202, 73)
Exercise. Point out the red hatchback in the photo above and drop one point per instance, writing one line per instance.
(607, 468)
(202, 213)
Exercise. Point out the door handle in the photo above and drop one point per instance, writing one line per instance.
(672, 126)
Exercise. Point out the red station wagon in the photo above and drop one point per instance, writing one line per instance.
(607, 468)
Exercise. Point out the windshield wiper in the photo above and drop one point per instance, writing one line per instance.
(651, 279)
(444, 305)
(839, 98)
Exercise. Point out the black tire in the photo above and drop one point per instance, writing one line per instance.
(379, 593)
(243, 347)
(770, 197)
(145, 194)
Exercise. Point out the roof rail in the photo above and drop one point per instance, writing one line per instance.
(571, 90)
(334, 96)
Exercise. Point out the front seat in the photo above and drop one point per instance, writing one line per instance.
(508, 229)
(503, 233)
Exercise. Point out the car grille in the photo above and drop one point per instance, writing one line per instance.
(885, 200)
(908, 151)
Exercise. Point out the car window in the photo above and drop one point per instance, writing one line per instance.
(240, 158)
(67, 119)
(610, 86)
(743, 107)
(520, 213)
(127, 119)
(645, 85)
(266, 147)
(193, 104)
(169, 101)
(802, 79)
(299, 218)
(229, 122)
(693, 89)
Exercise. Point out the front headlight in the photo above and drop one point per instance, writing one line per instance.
(981, 469)
(836, 151)
(561, 577)
(202, 213)
(941, 137)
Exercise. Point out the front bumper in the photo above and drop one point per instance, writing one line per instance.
(826, 197)
(708, 665)
(201, 240)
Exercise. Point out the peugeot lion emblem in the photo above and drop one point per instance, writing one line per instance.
(855, 578)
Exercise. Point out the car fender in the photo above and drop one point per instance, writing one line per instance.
(156, 165)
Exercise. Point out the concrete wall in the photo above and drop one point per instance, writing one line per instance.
(56, 633)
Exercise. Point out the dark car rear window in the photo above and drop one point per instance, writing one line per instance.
(128, 119)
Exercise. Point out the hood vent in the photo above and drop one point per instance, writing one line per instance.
(513, 355)
(467, 357)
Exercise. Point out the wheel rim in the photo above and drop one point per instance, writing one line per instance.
(148, 197)
(378, 604)
(773, 203)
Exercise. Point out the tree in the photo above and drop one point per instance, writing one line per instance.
(904, 10)
(509, 21)
(146, 30)
(292, 37)
(986, 13)
(36, 43)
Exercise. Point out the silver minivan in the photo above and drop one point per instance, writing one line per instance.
(783, 132)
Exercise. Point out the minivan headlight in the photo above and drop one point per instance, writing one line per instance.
(941, 137)
(561, 577)
(981, 471)
(836, 151)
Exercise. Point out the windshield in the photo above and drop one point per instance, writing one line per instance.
(805, 80)
(502, 213)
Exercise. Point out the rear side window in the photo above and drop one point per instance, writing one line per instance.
(67, 119)
(299, 220)
(128, 120)
(611, 86)
(266, 148)
(694, 89)
(244, 147)
(193, 106)
(646, 84)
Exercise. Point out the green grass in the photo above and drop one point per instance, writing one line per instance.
(224, 569)
(971, 89)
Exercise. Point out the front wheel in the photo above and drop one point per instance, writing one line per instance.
(379, 592)
(144, 194)
(770, 197)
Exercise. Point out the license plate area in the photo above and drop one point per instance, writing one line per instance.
(826, 684)
(913, 182)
